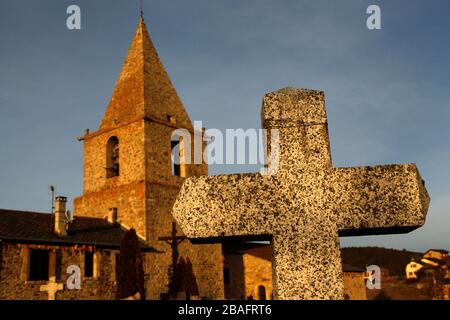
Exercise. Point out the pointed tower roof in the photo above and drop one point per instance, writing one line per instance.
(144, 88)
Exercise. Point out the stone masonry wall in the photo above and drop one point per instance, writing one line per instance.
(258, 272)
(145, 201)
(128, 199)
(355, 286)
(235, 290)
(131, 155)
(14, 283)
(161, 191)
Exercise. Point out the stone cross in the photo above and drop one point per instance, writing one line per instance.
(52, 287)
(306, 204)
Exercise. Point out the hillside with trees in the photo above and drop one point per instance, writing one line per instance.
(391, 259)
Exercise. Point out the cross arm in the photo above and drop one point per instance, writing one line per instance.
(209, 207)
(378, 200)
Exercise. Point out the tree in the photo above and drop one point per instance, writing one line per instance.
(130, 277)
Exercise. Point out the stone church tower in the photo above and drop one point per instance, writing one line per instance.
(128, 172)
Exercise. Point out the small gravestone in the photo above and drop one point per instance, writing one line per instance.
(305, 204)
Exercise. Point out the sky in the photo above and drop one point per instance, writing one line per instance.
(387, 91)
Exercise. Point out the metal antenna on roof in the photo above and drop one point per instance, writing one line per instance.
(52, 190)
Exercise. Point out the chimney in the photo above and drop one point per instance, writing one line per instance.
(112, 216)
(60, 216)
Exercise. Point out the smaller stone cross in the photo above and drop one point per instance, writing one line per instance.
(52, 287)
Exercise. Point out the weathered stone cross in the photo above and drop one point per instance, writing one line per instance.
(52, 287)
(307, 204)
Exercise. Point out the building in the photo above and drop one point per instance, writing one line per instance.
(415, 269)
(130, 177)
(444, 285)
(434, 260)
(35, 254)
(412, 269)
(438, 254)
(354, 283)
(248, 273)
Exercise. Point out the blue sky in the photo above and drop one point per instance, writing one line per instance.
(387, 91)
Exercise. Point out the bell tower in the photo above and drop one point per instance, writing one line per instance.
(128, 166)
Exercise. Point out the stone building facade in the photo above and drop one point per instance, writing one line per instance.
(16, 284)
(248, 272)
(354, 283)
(129, 172)
(35, 254)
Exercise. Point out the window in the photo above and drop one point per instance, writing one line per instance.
(112, 157)
(177, 157)
(88, 264)
(38, 269)
(117, 262)
(226, 276)
(262, 293)
(58, 265)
